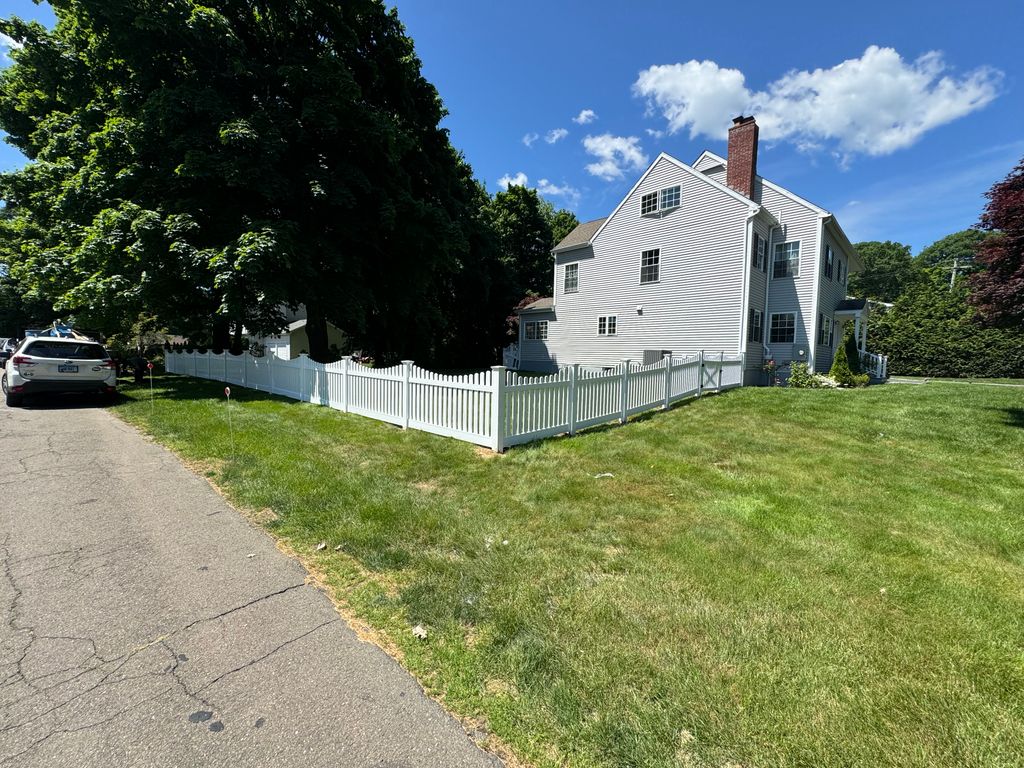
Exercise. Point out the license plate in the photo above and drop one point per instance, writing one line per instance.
(67, 369)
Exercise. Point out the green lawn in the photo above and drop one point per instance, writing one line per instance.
(772, 577)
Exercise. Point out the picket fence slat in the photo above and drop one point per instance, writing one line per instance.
(495, 408)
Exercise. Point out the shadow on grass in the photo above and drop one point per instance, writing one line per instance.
(1014, 417)
(173, 387)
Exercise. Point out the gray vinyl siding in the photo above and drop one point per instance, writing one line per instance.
(706, 163)
(695, 305)
(830, 293)
(791, 294)
(758, 288)
(534, 354)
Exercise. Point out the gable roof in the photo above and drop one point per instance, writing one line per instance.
(684, 167)
(540, 305)
(580, 236)
(719, 160)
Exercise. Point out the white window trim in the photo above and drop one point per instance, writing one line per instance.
(536, 330)
(756, 318)
(640, 270)
(661, 198)
(606, 318)
(565, 272)
(771, 318)
(657, 203)
(799, 256)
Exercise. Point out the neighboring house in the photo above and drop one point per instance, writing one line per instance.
(293, 339)
(709, 257)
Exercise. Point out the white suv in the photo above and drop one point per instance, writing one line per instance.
(45, 364)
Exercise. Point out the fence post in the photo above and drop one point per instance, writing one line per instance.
(700, 374)
(195, 365)
(668, 380)
(721, 367)
(498, 408)
(406, 392)
(624, 391)
(245, 367)
(574, 372)
(344, 382)
(270, 370)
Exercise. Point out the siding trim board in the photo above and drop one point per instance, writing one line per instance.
(812, 345)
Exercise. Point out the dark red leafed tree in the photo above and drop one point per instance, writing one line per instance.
(997, 291)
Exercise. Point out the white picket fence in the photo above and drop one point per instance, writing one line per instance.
(496, 408)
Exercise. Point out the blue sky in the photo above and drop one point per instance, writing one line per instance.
(897, 116)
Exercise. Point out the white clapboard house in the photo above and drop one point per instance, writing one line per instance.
(709, 257)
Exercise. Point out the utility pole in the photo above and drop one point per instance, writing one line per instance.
(952, 276)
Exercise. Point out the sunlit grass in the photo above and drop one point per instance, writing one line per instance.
(771, 577)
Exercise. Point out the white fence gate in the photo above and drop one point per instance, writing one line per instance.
(495, 408)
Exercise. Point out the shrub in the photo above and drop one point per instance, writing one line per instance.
(852, 352)
(861, 379)
(840, 370)
(801, 377)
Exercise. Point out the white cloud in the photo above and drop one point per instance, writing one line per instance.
(550, 189)
(874, 105)
(654, 134)
(555, 134)
(529, 138)
(7, 44)
(585, 116)
(519, 180)
(615, 155)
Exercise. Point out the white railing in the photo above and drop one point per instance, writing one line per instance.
(496, 408)
(875, 365)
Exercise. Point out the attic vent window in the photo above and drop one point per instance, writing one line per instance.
(649, 204)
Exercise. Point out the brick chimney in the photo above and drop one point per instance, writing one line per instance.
(742, 168)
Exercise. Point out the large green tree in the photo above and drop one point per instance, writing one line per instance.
(888, 270)
(960, 247)
(222, 159)
(522, 224)
(932, 330)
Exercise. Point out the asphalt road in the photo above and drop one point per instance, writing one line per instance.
(146, 623)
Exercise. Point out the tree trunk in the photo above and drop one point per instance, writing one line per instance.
(236, 339)
(221, 334)
(316, 330)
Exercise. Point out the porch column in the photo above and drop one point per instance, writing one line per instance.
(856, 329)
(864, 336)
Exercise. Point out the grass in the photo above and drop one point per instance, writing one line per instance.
(771, 578)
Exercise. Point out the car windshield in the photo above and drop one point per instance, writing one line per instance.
(66, 350)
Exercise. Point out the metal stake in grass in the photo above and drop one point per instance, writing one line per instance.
(150, 366)
(231, 427)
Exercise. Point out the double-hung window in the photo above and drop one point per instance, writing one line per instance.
(830, 260)
(650, 266)
(572, 278)
(755, 326)
(783, 328)
(759, 253)
(606, 325)
(649, 204)
(824, 331)
(787, 260)
(842, 272)
(536, 330)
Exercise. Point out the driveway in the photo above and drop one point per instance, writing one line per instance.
(146, 623)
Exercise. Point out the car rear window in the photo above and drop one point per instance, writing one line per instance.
(66, 350)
